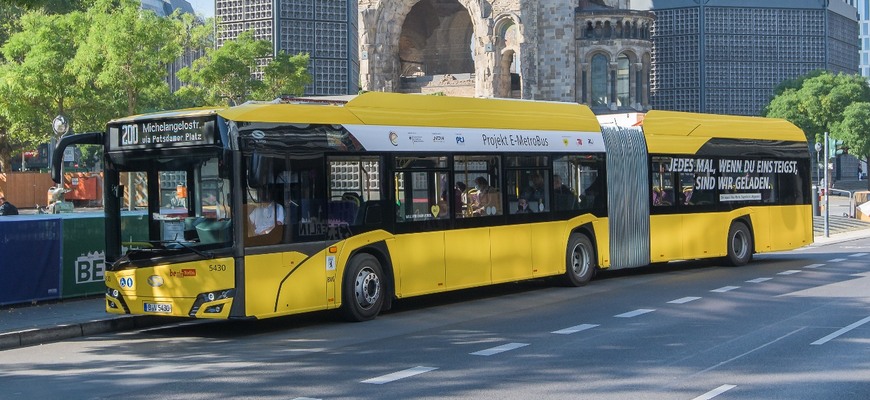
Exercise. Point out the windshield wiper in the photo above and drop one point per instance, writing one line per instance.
(207, 255)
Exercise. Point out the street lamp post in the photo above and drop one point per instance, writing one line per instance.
(60, 126)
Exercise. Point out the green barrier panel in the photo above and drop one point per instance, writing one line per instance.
(83, 255)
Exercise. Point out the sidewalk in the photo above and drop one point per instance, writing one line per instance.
(29, 325)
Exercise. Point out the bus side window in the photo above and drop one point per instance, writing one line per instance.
(663, 193)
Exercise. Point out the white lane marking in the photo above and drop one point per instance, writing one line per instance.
(748, 352)
(305, 398)
(398, 375)
(814, 265)
(499, 349)
(837, 260)
(639, 311)
(725, 289)
(683, 300)
(575, 329)
(715, 392)
(858, 255)
(758, 280)
(826, 339)
(789, 272)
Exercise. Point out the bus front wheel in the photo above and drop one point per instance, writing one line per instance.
(580, 261)
(739, 244)
(363, 291)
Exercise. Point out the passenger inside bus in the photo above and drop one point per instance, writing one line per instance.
(460, 198)
(523, 206)
(266, 214)
(487, 200)
(563, 196)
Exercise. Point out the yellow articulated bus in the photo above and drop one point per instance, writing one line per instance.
(264, 210)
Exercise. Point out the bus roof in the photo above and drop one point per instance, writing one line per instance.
(172, 114)
(686, 133)
(377, 108)
(290, 113)
(675, 123)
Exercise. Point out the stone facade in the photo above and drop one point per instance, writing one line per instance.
(530, 49)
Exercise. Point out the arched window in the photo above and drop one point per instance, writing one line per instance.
(599, 80)
(623, 96)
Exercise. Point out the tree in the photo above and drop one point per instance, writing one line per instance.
(225, 75)
(825, 102)
(127, 54)
(854, 129)
(284, 75)
(196, 38)
(38, 81)
(817, 105)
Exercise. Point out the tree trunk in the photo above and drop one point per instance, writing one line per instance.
(5, 152)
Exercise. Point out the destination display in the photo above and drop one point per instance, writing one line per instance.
(165, 133)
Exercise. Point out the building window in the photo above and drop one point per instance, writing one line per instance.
(623, 98)
(599, 81)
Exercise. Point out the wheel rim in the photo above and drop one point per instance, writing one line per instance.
(739, 244)
(367, 288)
(579, 261)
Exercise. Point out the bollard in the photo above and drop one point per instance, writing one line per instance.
(817, 210)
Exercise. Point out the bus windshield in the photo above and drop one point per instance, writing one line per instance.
(184, 204)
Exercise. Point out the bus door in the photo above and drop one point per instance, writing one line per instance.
(666, 224)
(284, 208)
(420, 185)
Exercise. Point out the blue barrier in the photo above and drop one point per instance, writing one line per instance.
(30, 248)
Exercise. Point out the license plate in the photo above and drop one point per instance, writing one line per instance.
(158, 307)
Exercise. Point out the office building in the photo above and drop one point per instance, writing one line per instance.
(726, 57)
(326, 30)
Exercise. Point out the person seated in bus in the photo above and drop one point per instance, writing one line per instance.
(266, 214)
(563, 197)
(592, 197)
(687, 195)
(487, 200)
(523, 206)
(536, 190)
(660, 197)
(460, 198)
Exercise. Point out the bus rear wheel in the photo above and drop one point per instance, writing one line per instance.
(363, 289)
(739, 244)
(580, 262)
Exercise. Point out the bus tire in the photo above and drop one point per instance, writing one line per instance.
(363, 289)
(739, 244)
(580, 261)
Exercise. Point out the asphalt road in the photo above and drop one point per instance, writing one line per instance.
(791, 325)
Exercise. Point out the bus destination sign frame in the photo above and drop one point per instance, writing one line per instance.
(165, 133)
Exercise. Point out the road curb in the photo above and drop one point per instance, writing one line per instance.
(33, 337)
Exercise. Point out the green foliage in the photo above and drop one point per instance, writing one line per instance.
(126, 52)
(817, 103)
(226, 74)
(97, 60)
(39, 81)
(285, 75)
(854, 129)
